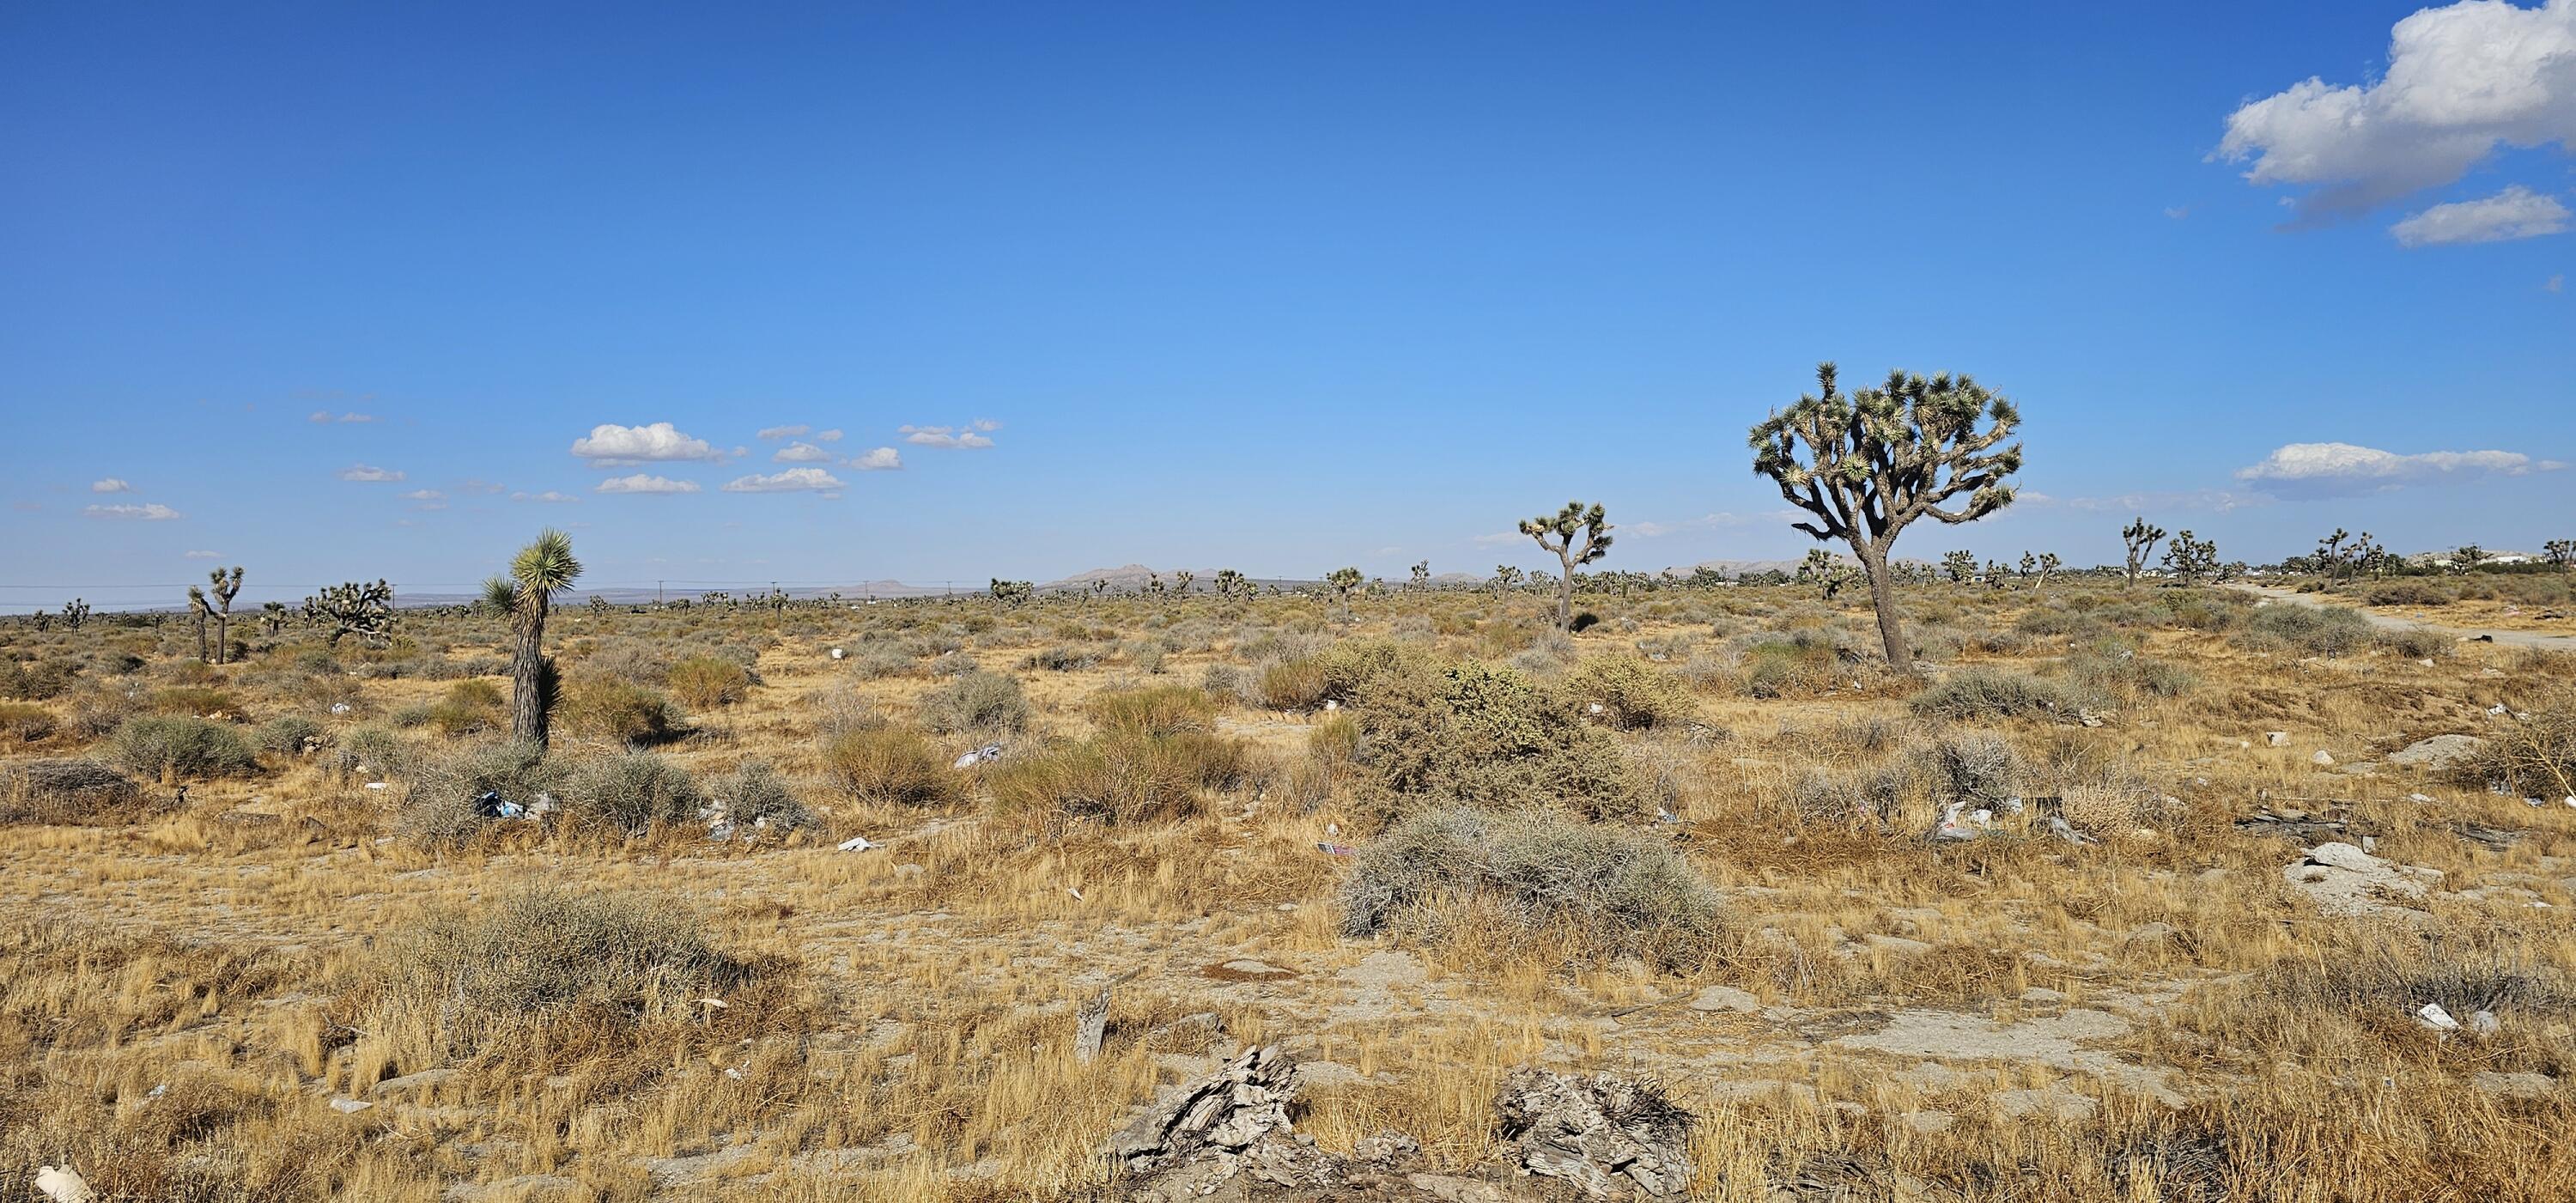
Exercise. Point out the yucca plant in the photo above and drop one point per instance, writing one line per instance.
(540, 570)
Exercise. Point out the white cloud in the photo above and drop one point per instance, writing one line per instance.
(365, 474)
(150, 512)
(324, 415)
(645, 483)
(609, 443)
(802, 453)
(790, 481)
(549, 497)
(2557, 283)
(110, 485)
(1721, 519)
(2516, 212)
(2461, 80)
(478, 486)
(773, 433)
(424, 495)
(2328, 469)
(881, 459)
(205, 555)
(969, 437)
(2217, 501)
(827, 436)
(2178, 212)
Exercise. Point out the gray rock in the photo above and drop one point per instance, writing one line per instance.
(1726, 998)
(2525, 1085)
(1218, 1117)
(1605, 1135)
(2323, 759)
(2435, 754)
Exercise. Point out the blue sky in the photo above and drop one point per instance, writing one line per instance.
(1279, 287)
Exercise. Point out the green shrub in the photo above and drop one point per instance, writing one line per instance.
(34, 681)
(632, 793)
(291, 735)
(979, 702)
(1120, 776)
(440, 806)
(471, 705)
(2417, 643)
(890, 766)
(2323, 630)
(709, 682)
(149, 745)
(1294, 685)
(1630, 692)
(754, 795)
(1062, 659)
(25, 723)
(1986, 693)
(196, 700)
(1456, 871)
(2407, 593)
(1781, 668)
(1158, 710)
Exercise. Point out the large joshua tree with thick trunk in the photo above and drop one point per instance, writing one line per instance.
(1581, 537)
(1866, 464)
(540, 570)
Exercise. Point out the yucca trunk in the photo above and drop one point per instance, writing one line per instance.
(1882, 597)
(528, 668)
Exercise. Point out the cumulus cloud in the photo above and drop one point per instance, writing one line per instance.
(424, 495)
(324, 415)
(610, 444)
(2329, 469)
(774, 433)
(2462, 80)
(827, 436)
(549, 497)
(150, 512)
(646, 483)
(802, 453)
(110, 485)
(881, 459)
(365, 474)
(968, 437)
(793, 480)
(2516, 212)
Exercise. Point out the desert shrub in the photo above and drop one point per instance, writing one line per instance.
(541, 958)
(1297, 684)
(291, 735)
(2324, 630)
(372, 750)
(69, 792)
(1630, 692)
(755, 795)
(469, 706)
(877, 660)
(951, 664)
(197, 700)
(1159, 710)
(892, 766)
(632, 661)
(2055, 620)
(25, 723)
(2407, 593)
(976, 702)
(1976, 767)
(709, 682)
(1120, 776)
(2416, 643)
(1546, 654)
(1989, 693)
(34, 681)
(439, 805)
(632, 793)
(1454, 872)
(2106, 805)
(2109, 670)
(620, 710)
(149, 745)
(1474, 734)
(2532, 757)
(1780, 668)
(1350, 665)
(1063, 659)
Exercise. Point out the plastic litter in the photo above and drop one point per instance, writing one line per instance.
(983, 755)
(376, 785)
(2432, 1015)
(1077, 894)
(838, 653)
(2484, 1023)
(1950, 828)
(339, 707)
(1332, 849)
(63, 1184)
(350, 1106)
(1331, 705)
(2059, 827)
(858, 843)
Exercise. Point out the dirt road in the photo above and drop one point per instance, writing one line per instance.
(2538, 639)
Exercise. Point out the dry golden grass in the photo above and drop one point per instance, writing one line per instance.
(182, 997)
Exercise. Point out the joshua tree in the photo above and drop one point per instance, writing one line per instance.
(76, 612)
(2039, 568)
(226, 586)
(2469, 557)
(2141, 537)
(1582, 536)
(1181, 581)
(1505, 577)
(1959, 566)
(1421, 574)
(1343, 580)
(272, 617)
(1012, 592)
(540, 570)
(198, 612)
(2191, 559)
(1231, 584)
(2329, 557)
(366, 611)
(1996, 571)
(1825, 572)
(1880, 458)
(2560, 553)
